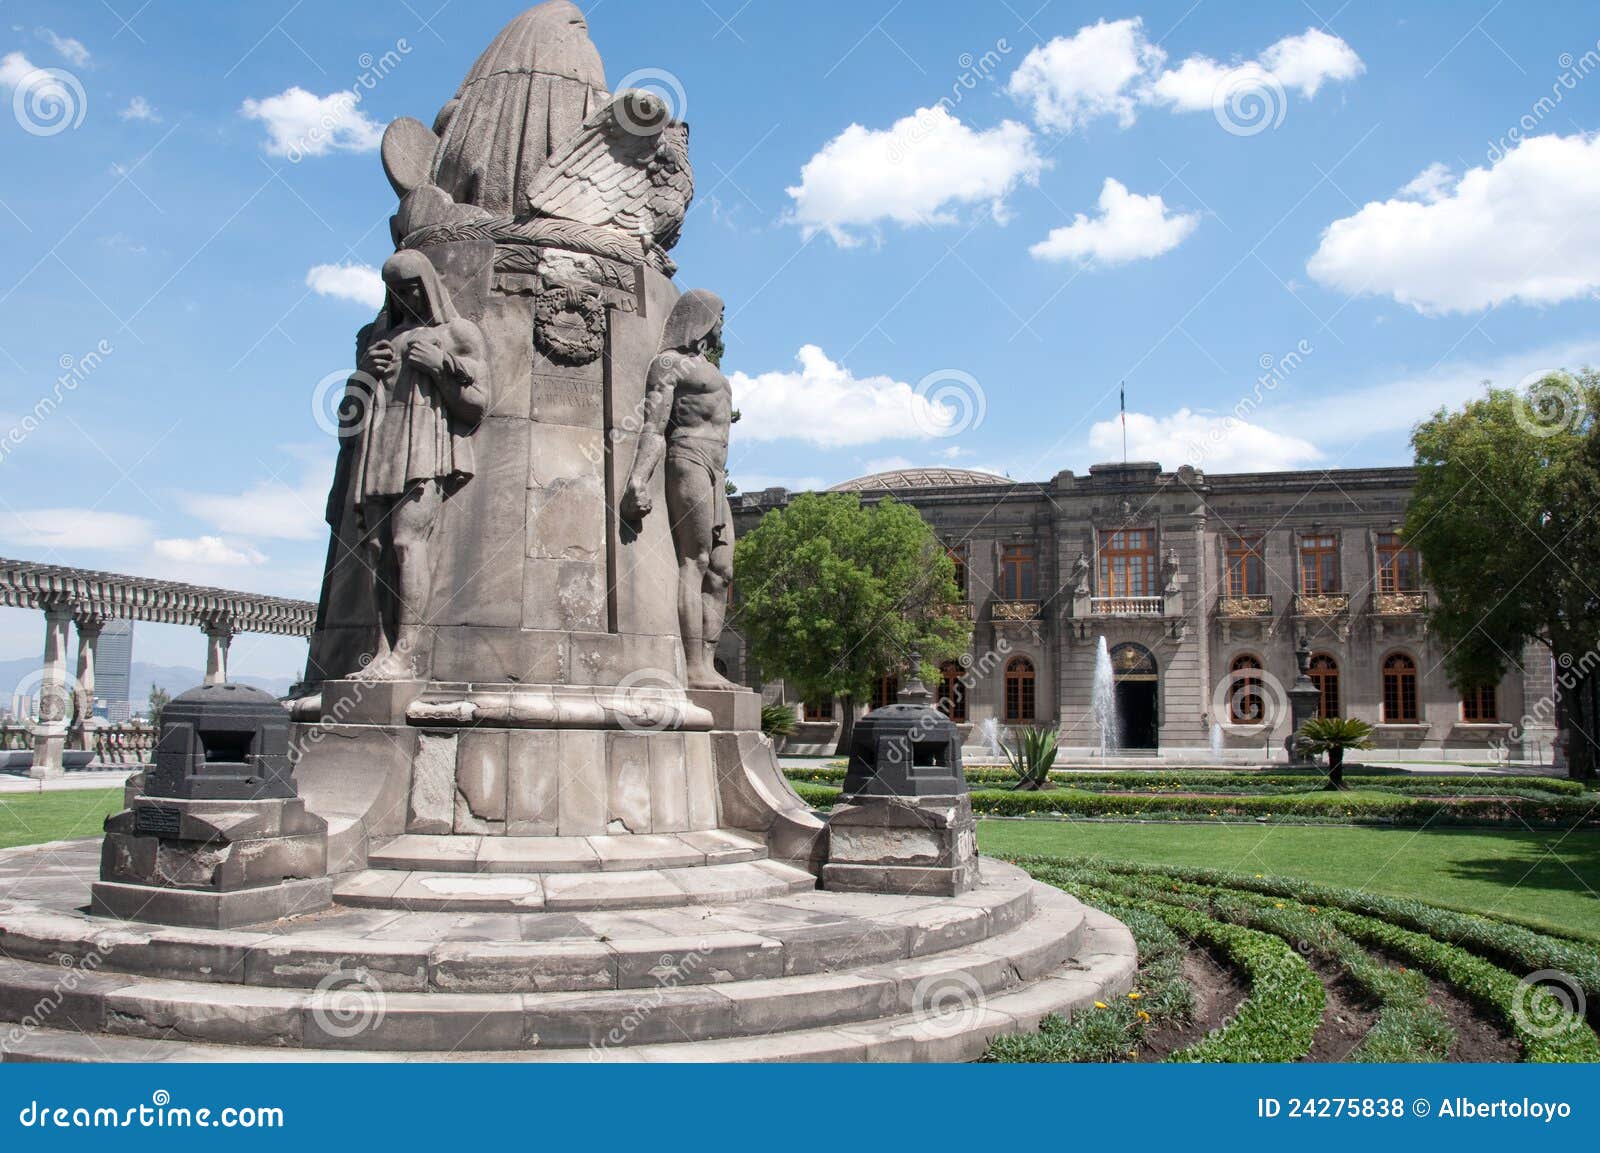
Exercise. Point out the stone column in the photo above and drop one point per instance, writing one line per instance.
(219, 635)
(50, 734)
(82, 733)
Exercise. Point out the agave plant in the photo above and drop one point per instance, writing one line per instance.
(1032, 757)
(1333, 735)
(777, 720)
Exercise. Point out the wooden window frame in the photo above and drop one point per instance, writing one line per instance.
(1243, 555)
(1401, 705)
(1245, 687)
(952, 700)
(1318, 556)
(1324, 673)
(1021, 681)
(1137, 561)
(1390, 549)
(1019, 572)
(1473, 700)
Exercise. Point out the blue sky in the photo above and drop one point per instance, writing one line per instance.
(945, 232)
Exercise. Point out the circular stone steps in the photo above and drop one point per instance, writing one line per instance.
(1104, 968)
(412, 852)
(797, 975)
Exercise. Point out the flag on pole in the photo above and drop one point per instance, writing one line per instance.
(1122, 406)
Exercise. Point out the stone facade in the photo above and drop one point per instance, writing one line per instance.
(1185, 575)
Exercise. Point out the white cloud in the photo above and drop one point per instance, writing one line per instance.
(1128, 227)
(358, 282)
(269, 509)
(1431, 185)
(74, 529)
(301, 124)
(1111, 69)
(1210, 442)
(1097, 71)
(207, 550)
(69, 49)
(917, 171)
(824, 404)
(1523, 229)
(14, 69)
(140, 109)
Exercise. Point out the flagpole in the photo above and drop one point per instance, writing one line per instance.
(1122, 405)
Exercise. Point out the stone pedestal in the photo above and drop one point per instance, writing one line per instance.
(213, 864)
(888, 844)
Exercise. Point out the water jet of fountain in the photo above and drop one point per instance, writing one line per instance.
(1105, 699)
(1216, 740)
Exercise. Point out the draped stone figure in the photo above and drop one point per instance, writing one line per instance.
(428, 370)
(688, 411)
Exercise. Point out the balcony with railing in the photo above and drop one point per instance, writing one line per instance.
(1322, 606)
(1245, 608)
(1406, 603)
(1127, 606)
(1015, 610)
(964, 611)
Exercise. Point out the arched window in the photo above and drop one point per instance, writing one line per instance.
(1019, 690)
(886, 691)
(952, 692)
(1247, 703)
(1479, 706)
(1324, 673)
(1399, 690)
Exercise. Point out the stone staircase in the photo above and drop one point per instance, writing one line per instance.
(402, 969)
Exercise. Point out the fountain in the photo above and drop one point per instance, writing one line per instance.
(990, 730)
(1105, 699)
(1216, 739)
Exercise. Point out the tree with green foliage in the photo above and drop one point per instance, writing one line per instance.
(1503, 514)
(159, 699)
(834, 594)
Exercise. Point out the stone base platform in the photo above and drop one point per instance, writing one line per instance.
(802, 975)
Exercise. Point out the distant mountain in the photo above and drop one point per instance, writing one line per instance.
(173, 678)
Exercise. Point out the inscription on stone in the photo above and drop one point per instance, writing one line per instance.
(156, 821)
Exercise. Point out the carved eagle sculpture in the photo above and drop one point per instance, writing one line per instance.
(627, 168)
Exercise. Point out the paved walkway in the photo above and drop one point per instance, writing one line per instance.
(88, 779)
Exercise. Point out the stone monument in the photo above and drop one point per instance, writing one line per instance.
(536, 805)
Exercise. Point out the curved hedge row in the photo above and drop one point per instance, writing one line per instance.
(1322, 918)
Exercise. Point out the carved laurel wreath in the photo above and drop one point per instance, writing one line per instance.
(569, 325)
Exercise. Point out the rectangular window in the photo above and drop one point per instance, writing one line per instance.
(1128, 563)
(1399, 568)
(1479, 706)
(819, 710)
(1018, 573)
(1247, 573)
(1319, 564)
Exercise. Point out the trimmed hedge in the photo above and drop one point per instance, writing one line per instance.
(1537, 1019)
(1356, 808)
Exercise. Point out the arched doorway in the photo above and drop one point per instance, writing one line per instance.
(1133, 669)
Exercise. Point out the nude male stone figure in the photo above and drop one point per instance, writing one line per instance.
(688, 410)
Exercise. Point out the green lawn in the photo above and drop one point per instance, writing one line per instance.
(32, 818)
(1542, 879)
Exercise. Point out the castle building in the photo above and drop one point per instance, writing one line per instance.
(1192, 593)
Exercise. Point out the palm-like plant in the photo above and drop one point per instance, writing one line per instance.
(777, 720)
(1033, 757)
(1333, 735)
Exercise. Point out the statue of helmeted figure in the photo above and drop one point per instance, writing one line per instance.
(428, 371)
(688, 411)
